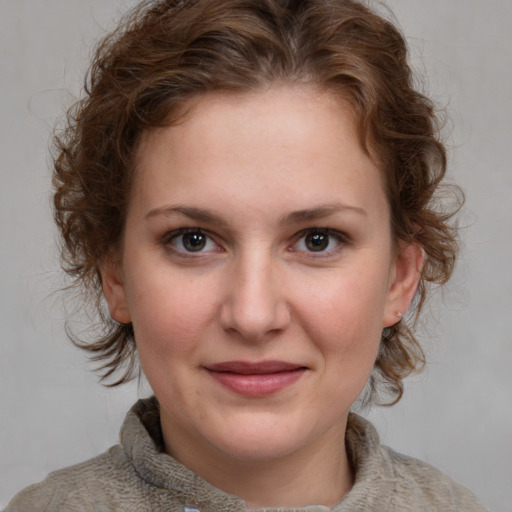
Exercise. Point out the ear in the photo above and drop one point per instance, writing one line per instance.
(114, 289)
(405, 278)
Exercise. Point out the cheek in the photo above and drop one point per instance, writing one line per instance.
(170, 321)
(345, 312)
(170, 313)
(352, 292)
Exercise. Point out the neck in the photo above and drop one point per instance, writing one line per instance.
(319, 473)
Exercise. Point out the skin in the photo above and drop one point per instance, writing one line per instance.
(257, 174)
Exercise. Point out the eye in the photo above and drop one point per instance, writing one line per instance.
(190, 240)
(319, 240)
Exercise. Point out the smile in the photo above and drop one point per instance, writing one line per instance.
(256, 379)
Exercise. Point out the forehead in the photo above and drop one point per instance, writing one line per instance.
(297, 138)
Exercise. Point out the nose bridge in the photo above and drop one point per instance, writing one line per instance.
(255, 305)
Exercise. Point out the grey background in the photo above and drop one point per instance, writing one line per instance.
(457, 415)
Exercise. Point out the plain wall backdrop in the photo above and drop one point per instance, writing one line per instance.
(457, 415)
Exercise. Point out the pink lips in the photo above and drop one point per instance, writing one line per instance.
(256, 379)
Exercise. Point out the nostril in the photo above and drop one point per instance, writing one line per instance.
(254, 306)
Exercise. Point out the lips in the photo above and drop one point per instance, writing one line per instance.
(253, 379)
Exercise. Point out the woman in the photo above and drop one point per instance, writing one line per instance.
(252, 187)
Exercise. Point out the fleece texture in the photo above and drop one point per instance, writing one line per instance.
(137, 476)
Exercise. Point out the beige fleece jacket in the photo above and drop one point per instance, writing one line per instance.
(137, 476)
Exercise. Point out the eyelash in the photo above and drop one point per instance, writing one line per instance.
(172, 236)
(339, 237)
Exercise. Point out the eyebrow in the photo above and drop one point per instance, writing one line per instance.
(198, 214)
(208, 216)
(320, 212)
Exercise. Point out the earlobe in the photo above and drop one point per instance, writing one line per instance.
(407, 273)
(114, 290)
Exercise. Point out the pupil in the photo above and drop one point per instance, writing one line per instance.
(194, 241)
(317, 241)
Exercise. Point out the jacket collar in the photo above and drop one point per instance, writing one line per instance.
(141, 438)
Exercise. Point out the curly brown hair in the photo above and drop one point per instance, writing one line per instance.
(166, 51)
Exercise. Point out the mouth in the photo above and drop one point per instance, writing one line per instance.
(256, 379)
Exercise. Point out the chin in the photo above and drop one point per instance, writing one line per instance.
(264, 439)
(260, 449)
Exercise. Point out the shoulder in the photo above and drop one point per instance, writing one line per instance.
(127, 477)
(387, 480)
(428, 488)
(90, 486)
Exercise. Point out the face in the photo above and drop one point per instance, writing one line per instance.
(258, 270)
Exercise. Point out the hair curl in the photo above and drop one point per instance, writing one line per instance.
(165, 52)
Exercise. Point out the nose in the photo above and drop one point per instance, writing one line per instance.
(255, 307)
